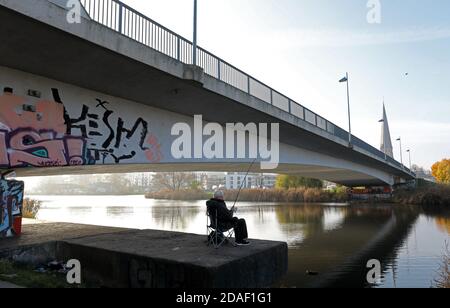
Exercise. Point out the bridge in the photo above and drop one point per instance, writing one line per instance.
(113, 92)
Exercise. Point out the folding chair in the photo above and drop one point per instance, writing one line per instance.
(217, 235)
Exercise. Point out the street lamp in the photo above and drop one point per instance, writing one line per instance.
(345, 79)
(401, 154)
(194, 42)
(409, 153)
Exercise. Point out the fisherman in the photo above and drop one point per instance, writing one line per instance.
(226, 219)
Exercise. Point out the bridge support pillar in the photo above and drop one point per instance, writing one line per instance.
(194, 73)
(11, 203)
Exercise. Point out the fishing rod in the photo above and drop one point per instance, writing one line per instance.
(242, 184)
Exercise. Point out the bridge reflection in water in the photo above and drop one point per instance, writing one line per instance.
(340, 255)
(334, 240)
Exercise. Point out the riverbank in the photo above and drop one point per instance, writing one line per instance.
(431, 197)
(297, 195)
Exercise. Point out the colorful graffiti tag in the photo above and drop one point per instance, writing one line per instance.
(11, 202)
(43, 134)
(34, 135)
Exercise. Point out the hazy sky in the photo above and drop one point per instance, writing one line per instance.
(303, 47)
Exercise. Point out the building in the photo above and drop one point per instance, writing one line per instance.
(329, 185)
(421, 173)
(141, 180)
(269, 180)
(213, 180)
(237, 180)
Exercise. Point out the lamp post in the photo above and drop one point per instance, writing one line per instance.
(194, 41)
(345, 79)
(409, 153)
(401, 154)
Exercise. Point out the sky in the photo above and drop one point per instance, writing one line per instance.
(302, 48)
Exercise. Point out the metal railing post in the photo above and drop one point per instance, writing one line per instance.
(194, 41)
(178, 49)
(218, 69)
(120, 17)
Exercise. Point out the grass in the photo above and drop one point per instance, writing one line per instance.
(432, 196)
(25, 276)
(294, 195)
(443, 279)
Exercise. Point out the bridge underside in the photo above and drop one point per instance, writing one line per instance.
(339, 176)
(72, 130)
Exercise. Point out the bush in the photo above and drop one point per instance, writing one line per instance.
(30, 208)
(292, 195)
(430, 196)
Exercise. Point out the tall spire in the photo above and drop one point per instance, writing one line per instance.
(386, 141)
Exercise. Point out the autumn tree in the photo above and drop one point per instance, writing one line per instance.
(173, 181)
(441, 171)
(294, 181)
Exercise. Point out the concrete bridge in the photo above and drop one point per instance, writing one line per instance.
(116, 92)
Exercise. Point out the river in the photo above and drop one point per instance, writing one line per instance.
(333, 241)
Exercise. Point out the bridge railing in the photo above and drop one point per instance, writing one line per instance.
(133, 24)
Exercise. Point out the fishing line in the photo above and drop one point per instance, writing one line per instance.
(243, 182)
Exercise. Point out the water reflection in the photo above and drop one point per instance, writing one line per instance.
(175, 218)
(443, 224)
(334, 240)
(119, 211)
(414, 262)
(83, 210)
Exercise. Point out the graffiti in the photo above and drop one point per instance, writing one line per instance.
(11, 202)
(44, 134)
(113, 135)
(154, 151)
(34, 134)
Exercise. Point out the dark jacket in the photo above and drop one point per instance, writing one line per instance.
(224, 215)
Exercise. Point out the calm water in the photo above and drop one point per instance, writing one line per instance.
(334, 240)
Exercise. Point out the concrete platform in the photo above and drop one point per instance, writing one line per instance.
(114, 257)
